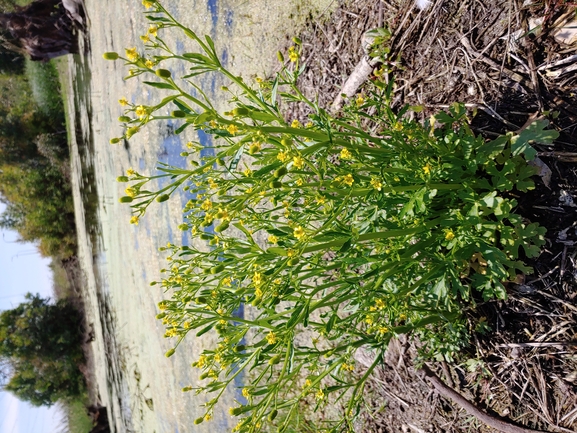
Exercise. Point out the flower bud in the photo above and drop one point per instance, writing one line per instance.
(162, 198)
(163, 73)
(170, 353)
(199, 420)
(240, 111)
(280, 57)
(275, 184)
(161, 316)
(217, 269)
(274, 360)
(273, 415)
(122, 179)
(124, 119)
(111, 55)
(178, 114)
(114, 140)
(293, 261)
(279, 172)
(221, 227)
(125, 199)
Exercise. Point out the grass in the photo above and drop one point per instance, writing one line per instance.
(75, 419)
(45, 85)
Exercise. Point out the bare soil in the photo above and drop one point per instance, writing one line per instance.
(484, 54)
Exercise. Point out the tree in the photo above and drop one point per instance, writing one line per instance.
(43, 30)
(40, 345)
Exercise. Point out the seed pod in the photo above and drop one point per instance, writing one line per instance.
(213, 241)
(239, 348)
(293, 261)
(205, 237)
(178, 114)
(275, 184)
(280, 57)
(199, 420)
(170, 353)
(125, 199)
(111, 55)
(286, 142)
(217, 269)
(222, 227)
(122, 179)
(281, 171)
(124, 119)
(240, 111)
(163, 73)
(201, 300)
(114, 140)
(161, 316)
(162, 198)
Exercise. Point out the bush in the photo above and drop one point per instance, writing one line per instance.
(45, 85)
(42, 344)
(332, 232)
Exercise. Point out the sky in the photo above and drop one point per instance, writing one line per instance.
(23, 270)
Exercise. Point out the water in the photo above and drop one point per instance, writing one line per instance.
(140, 386)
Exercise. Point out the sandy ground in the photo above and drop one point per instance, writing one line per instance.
(140, 387)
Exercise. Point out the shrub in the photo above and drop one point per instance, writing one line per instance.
(331, 232)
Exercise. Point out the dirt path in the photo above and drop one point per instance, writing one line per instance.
(139, 386)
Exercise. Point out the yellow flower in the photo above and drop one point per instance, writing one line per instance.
(134, 220)
(299, 182)
(383, 329)
(149, 64)
(293, 55)
(380, 304)
(232, 129)
(152, 30)
(208, 417)
(295, 124)
(227, 281)
(141, 111)
(376, 184)
(247, 172)
(298, 162)
(308, 383)
(131, 192)
(130, 172)
(282, 156)
(147, 3)
(320, 394)
(272, 239)
(346, 154)
(360, 100)
(123, 101)
(206, 205)
(299, 232)
(271, 338)
(348, 179)
(257, 279)
(449, 235)
(369, 320)
(291, 253)
(258, 293)
(212, 184)
(245, 392)
(131, 54)
(427, 169)
(145, 38)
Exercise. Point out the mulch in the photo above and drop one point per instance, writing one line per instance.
(502, 58)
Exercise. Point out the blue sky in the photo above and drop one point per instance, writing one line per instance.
(23, 270)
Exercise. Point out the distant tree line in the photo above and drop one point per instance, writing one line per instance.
(40, 351)
(34, 156)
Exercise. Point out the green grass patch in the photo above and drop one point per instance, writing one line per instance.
(76, 420)
(45, 86)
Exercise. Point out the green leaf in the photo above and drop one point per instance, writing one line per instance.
(535, 132)
(160, 85)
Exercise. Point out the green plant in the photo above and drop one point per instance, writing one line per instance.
(332, 232)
